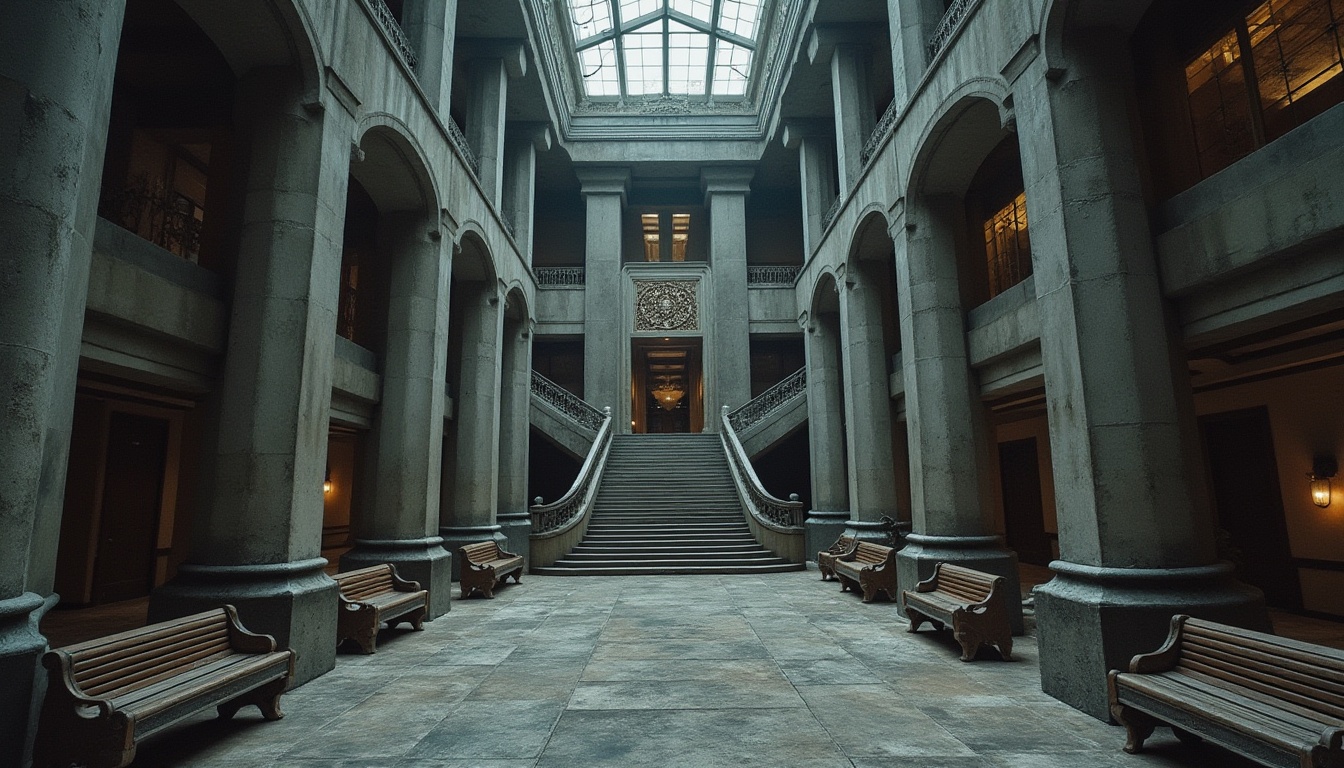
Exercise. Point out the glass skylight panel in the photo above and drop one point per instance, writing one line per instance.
(598, 67)
(687, 59)
(738, 17)
(589, 17)
(696, 9)
(732, 62)
(634, 9)
(644, 60)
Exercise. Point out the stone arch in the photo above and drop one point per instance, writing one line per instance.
(825, 292)
(871, 238)
(394, 168)
(473, 259)
(516, 306)
(1060, 18)
(975, 110)
(277, 33)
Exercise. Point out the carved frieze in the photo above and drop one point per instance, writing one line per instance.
(666, 305)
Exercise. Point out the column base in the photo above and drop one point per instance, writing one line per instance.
(21, 649)
(293, 602)
(423, 560)
(517, 530)
(916, 560)
(821, 529)
(458, 536)
(1090, 620)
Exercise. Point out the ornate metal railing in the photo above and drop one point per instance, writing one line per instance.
(558, 276)
(567, 402)
(951, 21)
(547, 518)
(156, 212)
(392, 27)
(831, 213)
(879, 132)
(777, 512)
(773, 275)
(793, 385)
(463, 148)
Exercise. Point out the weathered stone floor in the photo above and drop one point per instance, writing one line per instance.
(771, 670)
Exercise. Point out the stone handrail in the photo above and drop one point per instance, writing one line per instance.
(772, 275)
(553, 519)
(793, 385)
(463, 147)
(549, 277)
(950, 23)
(776, 514)
(392, 28)
(566, 402)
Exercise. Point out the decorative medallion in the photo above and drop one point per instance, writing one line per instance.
(666, 305)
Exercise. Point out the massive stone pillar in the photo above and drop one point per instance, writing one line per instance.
(400, 519)
(726, 198)
(826, 430)
(604, 192)
(872, 473)
(467, 514)
(951, 496)
(431, 29)
(57, 62)
(911, 24)
(257, 541)
(525, 140)
(1136, 534)
(816, 172)
(515, 404)
(846, 53)
(488, 73)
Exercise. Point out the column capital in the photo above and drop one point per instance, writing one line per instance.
(827, 38)
(726, 180)
(511, 52)
(538, 134)
(794, 132)
(604, 181)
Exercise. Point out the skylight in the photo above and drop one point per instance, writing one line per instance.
(652, 48)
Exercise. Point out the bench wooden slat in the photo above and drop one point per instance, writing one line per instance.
(114, 682)
(485, 565)
(171, 691)
(866, 567)
(373, 595)
(1256, 697)
(1255, 682)
(87, 664)
(972, 603)
(1286, 671)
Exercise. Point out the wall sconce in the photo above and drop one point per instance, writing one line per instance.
(326, 482)
(1322, 469)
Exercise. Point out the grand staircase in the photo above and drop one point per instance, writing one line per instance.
(667, 505)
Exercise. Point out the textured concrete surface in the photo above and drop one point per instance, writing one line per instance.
(776, 670)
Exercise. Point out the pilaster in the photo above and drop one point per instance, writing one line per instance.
(430, 27)
(726, 198)
(826, 431)
(525, 140)
(846, 52)
(816, 172)
(489, 70)
(515, 404)
(911, 24)
(604, 191)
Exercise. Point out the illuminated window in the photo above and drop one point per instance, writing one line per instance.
(654, 230)
(652, 243)
(652, 48)
(681, 229)
(1276, 68)
(1007, 246)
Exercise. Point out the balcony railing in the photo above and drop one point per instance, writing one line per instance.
(831, 213)
(463, 148)
(788, 515)
(949, 25)
(558, 277)
(792, 386)
(392, 28)
(772, 276)
(879, 133)
(566, 402)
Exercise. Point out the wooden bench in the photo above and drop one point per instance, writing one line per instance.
(105, 695)
(484, 565)
(826, 558)
(1279, 702)
(869, 567)
(370, 596)
(973, 603)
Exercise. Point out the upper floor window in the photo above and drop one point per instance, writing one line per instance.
(665, 236)
(1275, 68)
(1008, 246)
(652, 48)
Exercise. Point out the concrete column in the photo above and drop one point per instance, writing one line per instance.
(1136, 532)
(257, 541)
(400, 518)
(911, 24)
(826, 432)
(950, 470)
(816, 171)
(467, 514)
(603, 337)
(726, 199)
(851, 96)
(515, 404)
(57, 62)
(520, 179)
(488, 75)
(430, 27)
(872, 472)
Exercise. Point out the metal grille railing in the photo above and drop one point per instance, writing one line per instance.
(792, 386)
(566, 402)
(772, 275)
(463, 148)
(879, 133)
(392, 27)
(558, 276)
(575, 502)
(951, 21)
(786, 514)
(831, 213)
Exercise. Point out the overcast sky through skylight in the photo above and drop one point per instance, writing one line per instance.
(651, 48)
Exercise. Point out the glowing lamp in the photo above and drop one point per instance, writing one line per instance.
(1322, 469)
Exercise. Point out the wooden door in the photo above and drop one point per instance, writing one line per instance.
(137, 448)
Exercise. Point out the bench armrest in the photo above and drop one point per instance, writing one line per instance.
(929, 584)
(403, 585)
(503, 555)
(1163, 658)
(61, 685)
(1332, 739)
(245, 641)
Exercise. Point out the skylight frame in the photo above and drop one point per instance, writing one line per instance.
(660, 18)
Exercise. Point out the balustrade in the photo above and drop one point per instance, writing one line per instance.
(558, 277)
(775, 511)
(792, 386)
(567, 402)
(463, 147)
(951, 22)
(772, 276)
(879, 133)
(559, 514)
(388, 21)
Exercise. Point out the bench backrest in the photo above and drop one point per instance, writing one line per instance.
(366, 582)
(481, 552)
(868, 552)
(842, 545)
(1310, 678)
(119, 664)
(964, 584)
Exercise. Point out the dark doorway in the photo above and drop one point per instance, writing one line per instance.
(137, 448)
(1244, 477)
(668, 392)
(1023, 511)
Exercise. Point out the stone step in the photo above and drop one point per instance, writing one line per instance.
(611, 569)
